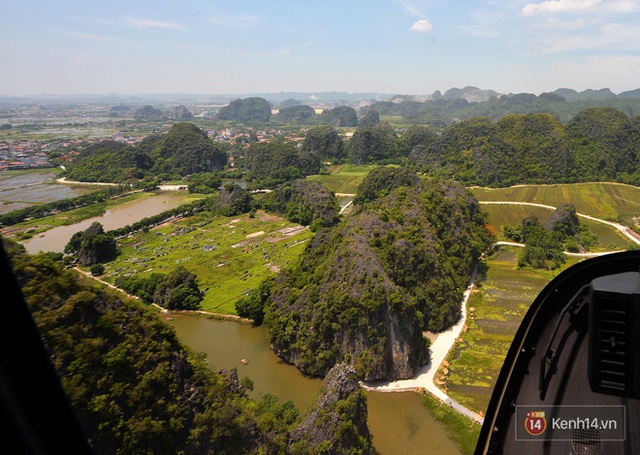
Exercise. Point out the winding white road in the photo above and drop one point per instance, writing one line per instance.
(446, 340)
(439, 350)
(624, 230)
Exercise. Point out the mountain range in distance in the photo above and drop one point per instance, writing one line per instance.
(469, 93)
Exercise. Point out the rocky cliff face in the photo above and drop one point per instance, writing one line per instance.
(366, 289)
(337, 422)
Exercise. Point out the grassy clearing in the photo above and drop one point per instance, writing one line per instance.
(608, 201)
(460, 429)
(496, 309)
(344, 179)
(229, 256)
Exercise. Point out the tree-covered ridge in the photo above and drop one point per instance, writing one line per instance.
(274, 163)
(109, 161)
(599, 144)
(92, 246)
(304, 201)
(365, 289)
(185, 149)
(340, 409)
(564, 104)
(247, 110)
(326, 142)
(136, 389)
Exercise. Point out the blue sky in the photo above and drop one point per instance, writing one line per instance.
(386, 46)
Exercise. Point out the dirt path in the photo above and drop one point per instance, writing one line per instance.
(624, 230)
(439, 350)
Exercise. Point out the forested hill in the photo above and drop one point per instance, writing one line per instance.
(441, 111)
(185, 149)
(599, 144)
(366, 289)
(136, 389)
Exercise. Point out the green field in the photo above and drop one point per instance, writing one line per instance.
(344, 179)
(608, 201)
(609, 239)
(496, 309)
(229, 256)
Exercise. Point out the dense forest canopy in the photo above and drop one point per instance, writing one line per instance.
(600, 144)
(273, 163)
(304, 201)
(185, 149)
(365, 289)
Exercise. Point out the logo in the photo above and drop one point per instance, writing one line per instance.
(535, 423)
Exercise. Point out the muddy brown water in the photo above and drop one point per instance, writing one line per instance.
(56, 239)
(398, 422)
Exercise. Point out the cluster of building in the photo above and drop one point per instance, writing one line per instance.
(23, 155)
(29, 154)
(248, 135)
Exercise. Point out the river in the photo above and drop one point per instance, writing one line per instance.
(56, 239)
(398, 422)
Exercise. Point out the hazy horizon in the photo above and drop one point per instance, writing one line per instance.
(413, 47)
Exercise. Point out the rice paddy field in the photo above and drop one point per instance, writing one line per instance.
(496, 309)
(609, 239)
(608, 201)
(230, 256)
(344, 179)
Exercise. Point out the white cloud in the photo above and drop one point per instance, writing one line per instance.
(412, 8)
(240, 21)
(619, 37)
(422, 26)
(559, 6)
(581, 6)
(147, 24)
(89, 36)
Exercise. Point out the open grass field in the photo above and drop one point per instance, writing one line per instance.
(608, 201)
(496, 309)
(609, 239)
(230, 256)
(345, 178)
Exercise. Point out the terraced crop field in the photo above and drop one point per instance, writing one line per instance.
(496, 309)
(608, 201)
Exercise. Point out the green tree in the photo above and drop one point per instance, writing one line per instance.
(178, 291)
(92, 246)
(325, 141)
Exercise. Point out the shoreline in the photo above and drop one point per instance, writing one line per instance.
(439, 349)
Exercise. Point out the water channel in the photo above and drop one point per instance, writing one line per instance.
(56, 239)
(398, 422)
